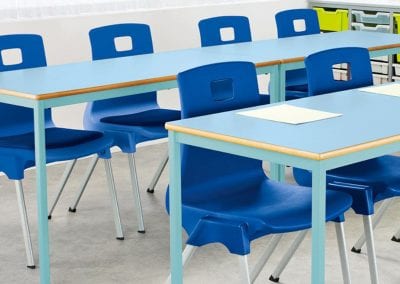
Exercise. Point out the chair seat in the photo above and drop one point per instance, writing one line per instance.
(381, 175)
(153, 117)
(294, 95)
(55, 138)
(264, 99)
(18, 151)
(271, 207)
(296, 80)
(298, 88)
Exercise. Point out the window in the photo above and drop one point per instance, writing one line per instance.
(22, 9)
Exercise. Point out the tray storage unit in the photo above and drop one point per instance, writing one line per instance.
(396, 23)
(374, 21)
(340, 74)
(371, 17)
(380, 67)
(380, 79)
(377, 16)
(396, 69)
(371, 27)
(332, 20)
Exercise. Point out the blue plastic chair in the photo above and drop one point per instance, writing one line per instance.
(131, 119)
(17, 150)
(286, 24)
(369, 181)
(211, 29)
(227, 198)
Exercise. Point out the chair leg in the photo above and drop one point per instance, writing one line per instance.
(265, 256)
(244, 269)
(158, 173)
(63, 181)
(377, 218)
(344, 261)
(25, 224)
(288, 256)
(136, 193)
(396, 237)
(373, 269)
(114, 200)
(85, 181)
(187, 254)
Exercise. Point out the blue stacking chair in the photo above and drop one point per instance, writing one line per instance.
(369, 181)
(211, 29)
(227, 198)
(17, 150)
(131, 119)
(286, 25)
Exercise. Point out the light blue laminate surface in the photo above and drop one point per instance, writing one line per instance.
(301, 46)
(68, 77)
(368, 119)
(365, 117)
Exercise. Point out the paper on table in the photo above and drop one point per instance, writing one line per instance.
(289, 114)
(390, 89)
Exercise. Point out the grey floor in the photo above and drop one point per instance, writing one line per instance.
(84, 248)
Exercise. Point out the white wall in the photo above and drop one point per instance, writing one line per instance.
(66, 39)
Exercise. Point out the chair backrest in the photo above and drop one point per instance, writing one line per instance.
(320, 70)
(297, 22)
(25, 51)
(210, 89)
(103, 42)
(211, 28)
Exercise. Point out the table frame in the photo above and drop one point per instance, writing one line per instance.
(318, 165)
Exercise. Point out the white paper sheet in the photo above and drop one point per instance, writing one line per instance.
(289, 114)
(390, 89)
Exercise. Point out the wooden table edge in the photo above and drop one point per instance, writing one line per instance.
(282, 149)
(374, 48)
(86, 90)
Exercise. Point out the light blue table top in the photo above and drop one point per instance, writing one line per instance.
(290, 48)
(128, 71)
(361, 111)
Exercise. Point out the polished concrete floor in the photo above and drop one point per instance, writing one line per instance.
(84, 248)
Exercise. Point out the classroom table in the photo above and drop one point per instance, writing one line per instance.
(291, 51)
(368, 127)
(59, 85)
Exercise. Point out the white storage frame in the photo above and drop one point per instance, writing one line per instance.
(374, 15)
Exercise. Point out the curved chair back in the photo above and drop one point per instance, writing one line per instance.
(103, 44)
(210, 30)
(320, 74)
(16, 119)
(210, 89)
(286, 22)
